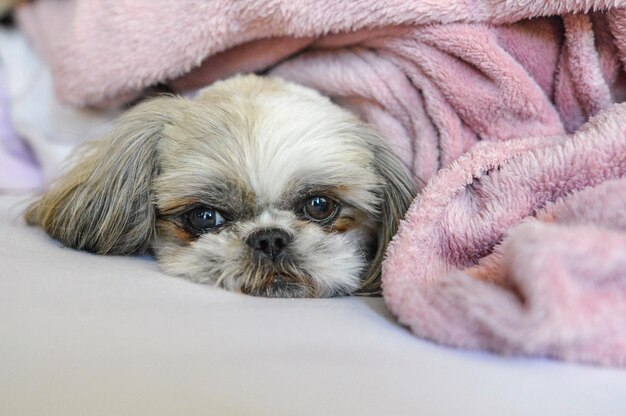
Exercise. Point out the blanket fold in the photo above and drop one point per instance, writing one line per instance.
(471, 267)
(89, 43)
(434, 78)
(511, 246)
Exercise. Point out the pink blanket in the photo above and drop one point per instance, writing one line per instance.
(520, 247)
(437, 79)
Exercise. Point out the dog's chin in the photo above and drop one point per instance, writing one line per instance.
(281, 286)
(275, 278)
(283, 279)
(266, 279)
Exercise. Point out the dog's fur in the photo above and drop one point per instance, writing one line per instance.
(255, 149)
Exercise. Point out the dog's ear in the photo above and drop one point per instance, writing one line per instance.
(103, 204)
(397, 193)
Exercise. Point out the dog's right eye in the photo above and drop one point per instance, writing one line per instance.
(203, 219)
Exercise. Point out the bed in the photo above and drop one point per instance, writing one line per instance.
(82, 334)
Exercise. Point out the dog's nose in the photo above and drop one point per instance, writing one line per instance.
(271, 242)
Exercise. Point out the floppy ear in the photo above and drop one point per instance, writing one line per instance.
(397, 193)
(103, 204)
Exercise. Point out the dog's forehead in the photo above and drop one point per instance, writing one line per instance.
(266, 145)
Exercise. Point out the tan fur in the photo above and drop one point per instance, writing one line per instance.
(103, 204)
(398, 191)
(169, 231)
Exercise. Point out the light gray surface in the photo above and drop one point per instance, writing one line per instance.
(88, 335)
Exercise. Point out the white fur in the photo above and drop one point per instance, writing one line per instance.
(254, 149)
(269, 140)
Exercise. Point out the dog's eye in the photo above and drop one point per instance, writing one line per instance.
(204, 218)
(320, 208)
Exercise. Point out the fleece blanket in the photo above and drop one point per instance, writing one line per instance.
(517, 242)
(520, 247)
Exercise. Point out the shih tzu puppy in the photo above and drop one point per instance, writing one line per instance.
(256, 185)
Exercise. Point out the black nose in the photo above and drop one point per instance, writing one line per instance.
(270, 242)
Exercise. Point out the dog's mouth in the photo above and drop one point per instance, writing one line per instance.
(276, 278)
(281, 286)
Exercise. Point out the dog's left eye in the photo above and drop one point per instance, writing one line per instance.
(204, 218)
(320, 209)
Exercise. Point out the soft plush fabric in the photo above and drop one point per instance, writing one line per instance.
(82, 334)
(471, 267)
(434, 77)
(505, 81)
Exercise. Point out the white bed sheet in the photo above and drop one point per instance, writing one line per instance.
(91, 335)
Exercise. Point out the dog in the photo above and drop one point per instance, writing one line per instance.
(256, 184)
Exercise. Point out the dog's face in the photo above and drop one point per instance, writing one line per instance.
(256, 185)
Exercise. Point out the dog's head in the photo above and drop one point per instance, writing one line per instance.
(257, 185)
